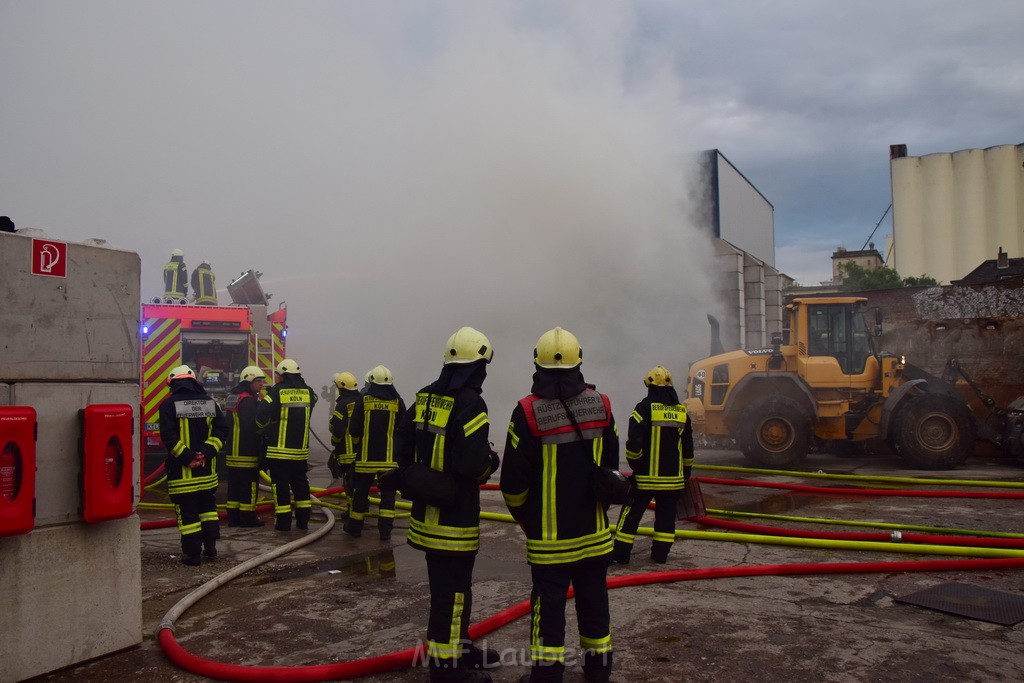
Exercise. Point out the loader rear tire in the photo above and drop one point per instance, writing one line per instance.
(775, 431)
(934, 432)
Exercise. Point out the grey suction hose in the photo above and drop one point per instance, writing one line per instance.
(221, 579)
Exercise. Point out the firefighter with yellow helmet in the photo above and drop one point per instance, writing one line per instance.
(445, 454)
(246, 448)
(193, 430)
(284, 415)
(659, 448)
(561, 441)
(343, 453)
(375, 416)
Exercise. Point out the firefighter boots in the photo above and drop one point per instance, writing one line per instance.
(234, 517)
(249, 519)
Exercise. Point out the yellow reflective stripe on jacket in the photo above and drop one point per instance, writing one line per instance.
(648, 483)
(439, 537)
(539, 551)
(549, 502)
(514, 500)
(475, 424)
(247, 461)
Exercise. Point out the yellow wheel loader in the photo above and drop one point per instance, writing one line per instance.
(823, 379)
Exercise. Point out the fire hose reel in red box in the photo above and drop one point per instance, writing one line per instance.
(108, 491)
(17, 470)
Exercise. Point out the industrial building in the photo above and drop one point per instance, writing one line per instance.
(952, 211)
(741, 221)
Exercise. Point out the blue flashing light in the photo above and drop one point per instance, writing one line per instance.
(284, 333)
(145, 329)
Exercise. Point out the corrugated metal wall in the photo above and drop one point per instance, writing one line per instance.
(952, 211)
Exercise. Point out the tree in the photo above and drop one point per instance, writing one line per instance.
(858, 278)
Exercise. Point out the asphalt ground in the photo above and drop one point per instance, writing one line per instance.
(340, 598)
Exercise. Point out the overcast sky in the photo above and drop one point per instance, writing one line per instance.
(399, 169)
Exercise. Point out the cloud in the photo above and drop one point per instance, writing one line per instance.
(400, 169)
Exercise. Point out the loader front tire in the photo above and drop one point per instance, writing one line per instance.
(774, 432)
(934, 432)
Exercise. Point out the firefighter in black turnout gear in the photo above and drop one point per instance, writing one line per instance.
(659, 448)
(343, 452)
(204, 285)
(375, 416)
(559, 439)
(175, 278)
(444, 456)
(283, 414)
(245, 449)
(193, 430)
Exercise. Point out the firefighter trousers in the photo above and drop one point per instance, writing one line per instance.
(360, 505)
(451, 606)
(547, 623)
(288, 480)
(664, 523)
(242, 489)
(198, 522)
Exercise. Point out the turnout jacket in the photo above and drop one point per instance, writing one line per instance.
(176, 278)
(343, 448)
(546, 475)
(659, 445)
(375, 416)
(449, 435)
(246, 443)
(191, 422)
(204, 285)
(283, 415)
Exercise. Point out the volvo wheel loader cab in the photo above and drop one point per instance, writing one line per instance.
(824, 379)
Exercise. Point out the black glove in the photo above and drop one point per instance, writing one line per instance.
(334, 466)
(495, 460)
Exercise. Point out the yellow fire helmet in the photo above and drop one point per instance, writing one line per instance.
(558, 349)
(380, 375)
(658, 376)
(345, 380)
(252, 372)
(288, 367)
(181, 372)
(468, 346)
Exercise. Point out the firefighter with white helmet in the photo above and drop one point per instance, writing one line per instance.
(561, 443)
(372, 428)
(659, 448)
(445, 454)
(284, 415)
(343, 453)
(245, 448)
(175, 278)
(193, 430)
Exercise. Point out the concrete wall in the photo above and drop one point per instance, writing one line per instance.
(69, 591)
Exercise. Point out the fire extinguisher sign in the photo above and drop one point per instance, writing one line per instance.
(49, 258)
